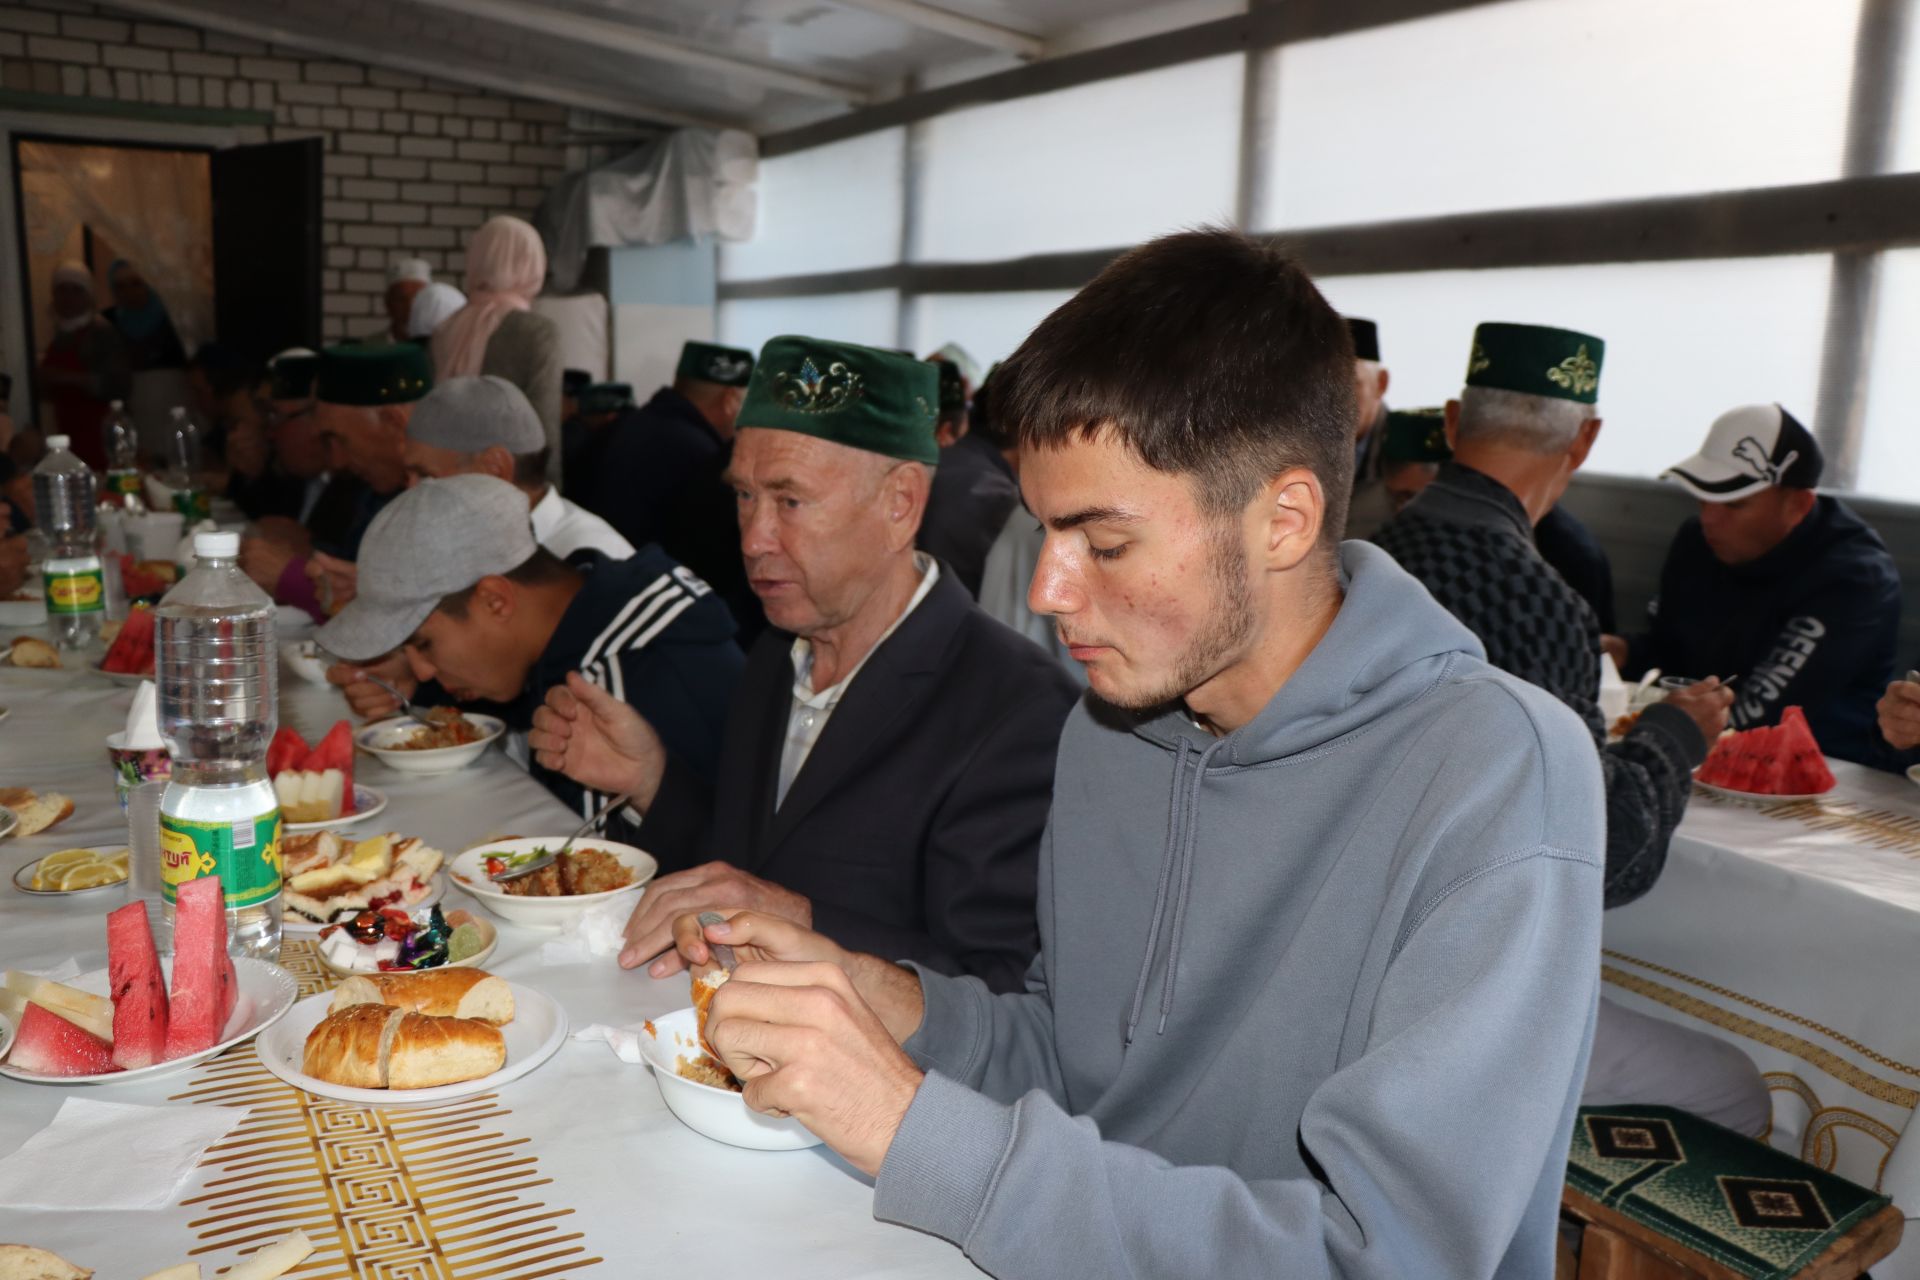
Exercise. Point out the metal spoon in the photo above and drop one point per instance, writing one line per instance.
(722, 953)
(546, 860)
(405, 706)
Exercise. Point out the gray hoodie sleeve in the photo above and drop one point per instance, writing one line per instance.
(1001, 1045)
(1430, 1143)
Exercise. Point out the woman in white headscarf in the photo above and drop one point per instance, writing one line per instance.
(497, 332)
(84, 367)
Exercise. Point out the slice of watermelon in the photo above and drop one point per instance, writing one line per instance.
(286, 751)
(335, 751)
(49, 1044)
(1807, 764)
(138, 988)
(205, 987)
(132, 650)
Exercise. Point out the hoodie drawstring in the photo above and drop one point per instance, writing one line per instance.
(1181, 838)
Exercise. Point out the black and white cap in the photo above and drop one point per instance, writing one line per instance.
(1754, 447)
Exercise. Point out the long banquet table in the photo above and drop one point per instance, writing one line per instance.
(576, 1168)
(1794, 932)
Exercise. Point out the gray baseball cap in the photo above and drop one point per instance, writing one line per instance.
(440, 537)
(471, 414)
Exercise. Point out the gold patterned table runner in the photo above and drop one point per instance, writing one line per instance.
(1876, 828)
(432, 1193)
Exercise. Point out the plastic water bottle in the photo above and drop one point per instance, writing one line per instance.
(183, 476)
(63, 497)
(216, 665)
(123, 460)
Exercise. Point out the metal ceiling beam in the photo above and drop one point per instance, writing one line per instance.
(516, 84)
(602, 33)
(958, 25)
(1847, 215)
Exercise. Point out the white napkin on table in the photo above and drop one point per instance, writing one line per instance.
(601, 931)
(112, 1155)
(624, 1041)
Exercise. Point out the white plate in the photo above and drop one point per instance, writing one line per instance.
(305, 659)
(469, 871)
(378, 739)
(8, 821)
(6, 1036)
(23, 878)
(120, 677)
(538, 1029)
(489, 939)
(294, 926)
(367, 801)
(1754, 797)
(23, 613)
(720, 1114)
(266, 993)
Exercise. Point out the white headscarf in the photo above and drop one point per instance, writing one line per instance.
(431, 306)
(76, 273)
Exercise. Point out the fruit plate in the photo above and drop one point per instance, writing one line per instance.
(367, 801)
(266, 993)
(23, 878)
(720, 1114)
(379, 739)
(469, 871)
(293, 926)
(489, 939)
(1755, 797)
(538, 1029)
(120, 677)
(6, 1037)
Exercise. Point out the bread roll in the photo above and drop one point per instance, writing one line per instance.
(435, 1051)
(29, 651)
(24, 1262)
(36, 812)
(350, 1046)
(441, 993)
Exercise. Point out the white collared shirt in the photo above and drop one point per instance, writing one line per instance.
(811, 710)
(564, 527)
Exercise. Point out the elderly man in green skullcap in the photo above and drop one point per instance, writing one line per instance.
(1522, 426)
(886, 769)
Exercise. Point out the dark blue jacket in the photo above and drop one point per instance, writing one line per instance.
(1812, 624)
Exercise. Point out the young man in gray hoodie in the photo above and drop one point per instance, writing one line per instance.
(1319, 901)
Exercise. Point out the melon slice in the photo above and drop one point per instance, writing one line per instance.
(1807, 769)
(49, 1044)
(205, 987)
(95, 1013)
(139, 989)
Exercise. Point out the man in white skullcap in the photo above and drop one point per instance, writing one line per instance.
(407, 278)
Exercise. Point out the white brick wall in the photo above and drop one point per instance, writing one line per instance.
(412, 165)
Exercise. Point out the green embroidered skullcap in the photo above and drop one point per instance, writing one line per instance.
(953, 384)
(706, 362)
(1415, 435)
(290, 374)
(1537, 361)
(372, 374)
(861, 397)
(605, 397)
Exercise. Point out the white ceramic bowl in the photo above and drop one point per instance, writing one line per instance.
(469, 871)
(720, 1114)
(290, 622)
(305, 659)
(23, 613)
(381, 739)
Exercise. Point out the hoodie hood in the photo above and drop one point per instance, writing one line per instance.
(1376, 657)
(1383, 650)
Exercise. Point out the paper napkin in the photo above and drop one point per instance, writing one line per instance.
(112, 1155)
(601, 931)
(624, 1041)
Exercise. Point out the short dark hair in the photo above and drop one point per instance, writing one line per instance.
(531, 468)
(984, 417)
(538, 569)
(1209, 353)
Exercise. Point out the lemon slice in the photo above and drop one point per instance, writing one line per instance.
(54, 863)
(118, 861)
(91, 876)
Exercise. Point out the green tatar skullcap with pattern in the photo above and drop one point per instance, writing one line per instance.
(1415, 435)
(1537, 361)
(605, 397)
(708, 362)
(861, 397)
(372, 374)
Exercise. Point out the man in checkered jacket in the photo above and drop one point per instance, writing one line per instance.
(1523, 425)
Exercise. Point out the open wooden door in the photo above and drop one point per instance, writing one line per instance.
(266, 247)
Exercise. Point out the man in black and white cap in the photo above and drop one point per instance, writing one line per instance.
(1773, 583)
(451, 576)
(487, 426)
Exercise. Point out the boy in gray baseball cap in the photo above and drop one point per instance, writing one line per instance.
(452, 578)
(487, 426)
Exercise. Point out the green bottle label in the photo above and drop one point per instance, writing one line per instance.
(245, 855)
(125, 482)
(194, 504)
(70, 593)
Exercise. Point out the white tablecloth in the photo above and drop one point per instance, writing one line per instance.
(642, 1192)
(1798, 938)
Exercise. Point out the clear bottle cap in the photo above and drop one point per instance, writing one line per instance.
(223, 546)
(58, 442)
